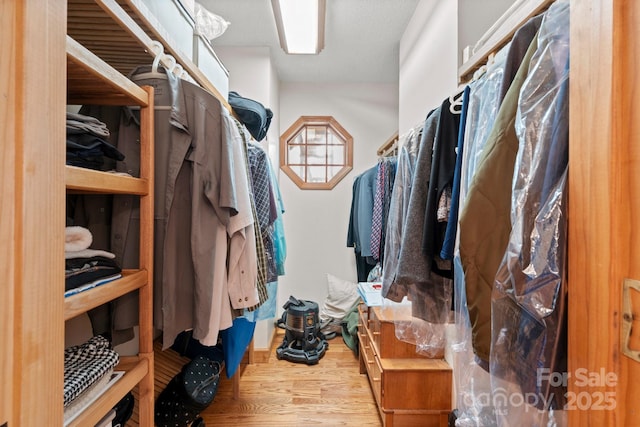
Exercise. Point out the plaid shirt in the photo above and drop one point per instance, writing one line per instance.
(261, 254)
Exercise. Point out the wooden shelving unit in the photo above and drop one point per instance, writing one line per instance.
(409, 389)
(92, 80)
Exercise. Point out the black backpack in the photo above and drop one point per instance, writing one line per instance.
(252, 114)
(188, 393)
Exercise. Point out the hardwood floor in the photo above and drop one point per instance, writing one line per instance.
(281, 393)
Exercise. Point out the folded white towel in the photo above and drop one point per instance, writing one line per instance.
(88, 253)
(77, 239)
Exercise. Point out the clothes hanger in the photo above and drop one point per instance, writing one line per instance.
(479, 73)
(179, 71)
(455, 100)
(160, 57)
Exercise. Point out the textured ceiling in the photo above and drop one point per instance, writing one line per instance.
(361, 38)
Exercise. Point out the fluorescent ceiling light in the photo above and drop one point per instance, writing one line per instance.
(300, 25)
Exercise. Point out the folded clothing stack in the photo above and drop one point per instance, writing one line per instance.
(86, 268)
(84, 399)
(87, 144)
(86, 364)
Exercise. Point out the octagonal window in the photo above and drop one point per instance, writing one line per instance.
(316, 152)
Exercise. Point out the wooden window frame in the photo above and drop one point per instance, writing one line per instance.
(310, 121)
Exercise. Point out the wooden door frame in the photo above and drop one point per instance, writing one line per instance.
(33, 66)
(604, 203)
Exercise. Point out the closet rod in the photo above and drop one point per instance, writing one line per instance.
(389, 145)
(495, 38)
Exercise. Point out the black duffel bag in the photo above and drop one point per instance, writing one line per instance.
(252, 114)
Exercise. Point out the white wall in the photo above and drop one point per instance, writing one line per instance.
(428, 60)
(316, 221)
(431, 51)
(252, 75)
(475, 18)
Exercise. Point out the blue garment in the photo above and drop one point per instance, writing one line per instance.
(364, 213)
(452, 223)
(235, 341)
(361, 220)
(267, 310)
(279, 241)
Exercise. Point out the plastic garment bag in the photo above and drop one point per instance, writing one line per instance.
(424, 299)
(408, 329)
(483, 108)
(529, 296)
(472, 382)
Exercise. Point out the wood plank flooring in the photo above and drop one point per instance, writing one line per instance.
(281, 393)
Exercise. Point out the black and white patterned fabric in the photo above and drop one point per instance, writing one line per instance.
(85, 364)
(80, 403)
(188, 393)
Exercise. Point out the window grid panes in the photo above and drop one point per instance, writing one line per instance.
(317, 152)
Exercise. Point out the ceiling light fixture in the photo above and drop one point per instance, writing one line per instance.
(300, 25)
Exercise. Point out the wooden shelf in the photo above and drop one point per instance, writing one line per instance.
(110, 33)
(91, 181)
(85, 301)
(122, 34)
(93, 81)
(511, 21)
(136, 369)
(390, 146)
